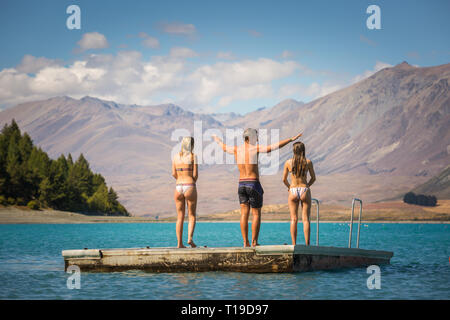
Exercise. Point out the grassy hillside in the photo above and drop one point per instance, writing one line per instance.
(438, 186)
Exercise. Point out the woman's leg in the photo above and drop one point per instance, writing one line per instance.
(180, 205)
(293, 209)
(306, 211)
(191, 197)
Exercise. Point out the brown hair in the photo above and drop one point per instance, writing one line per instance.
(299, 161)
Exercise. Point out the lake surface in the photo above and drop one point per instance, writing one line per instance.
(31, 265)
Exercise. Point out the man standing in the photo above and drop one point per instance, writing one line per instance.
(250, 190)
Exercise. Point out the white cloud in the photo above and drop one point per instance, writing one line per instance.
(243, 80)
(317, 90)
(179, 28)
(92, 40)
(307, 92)
(129, 78)
(378, 66)
(31, 64)
(149, 41)
(180, 52)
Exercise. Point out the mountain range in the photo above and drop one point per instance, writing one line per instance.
(438, 186)
(380, 136)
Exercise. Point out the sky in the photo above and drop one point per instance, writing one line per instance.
(210, 56)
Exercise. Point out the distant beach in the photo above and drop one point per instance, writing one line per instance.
(383, 212)
(18, 215)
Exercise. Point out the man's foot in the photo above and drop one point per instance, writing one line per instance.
(192, 244)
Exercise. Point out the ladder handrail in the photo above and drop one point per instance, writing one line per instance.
(317, 219)
(351, 222)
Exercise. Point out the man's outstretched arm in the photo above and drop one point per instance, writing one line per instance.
(280, 144)
(224, 147)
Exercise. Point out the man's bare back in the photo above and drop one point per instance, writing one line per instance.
(250, 191)
(246, 156)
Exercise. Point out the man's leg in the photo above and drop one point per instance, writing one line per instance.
(256, 223)
(245, 210)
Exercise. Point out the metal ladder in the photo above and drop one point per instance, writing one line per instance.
(317, 219)
(351, 222)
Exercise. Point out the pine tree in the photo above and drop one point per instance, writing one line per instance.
(4, 177)
(13, 169)
(29, 176)
(97, 181)
(83, 175)
(69, 160)
(99, 200)
(25, 146)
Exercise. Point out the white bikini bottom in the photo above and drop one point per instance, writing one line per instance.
(298, 191)
(183, 187)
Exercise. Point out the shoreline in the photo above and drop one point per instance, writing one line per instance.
(111, 221)
(20, 215)
(262, 222)
(354, 222)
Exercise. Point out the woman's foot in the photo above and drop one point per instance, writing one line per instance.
(192, 244)
(181, 246)
(254, 244)
(246, 244)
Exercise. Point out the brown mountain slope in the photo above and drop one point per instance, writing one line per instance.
(438, 186)
(378, 137)
(396, 121)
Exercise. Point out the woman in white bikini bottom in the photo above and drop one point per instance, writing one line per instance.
(183, 187)
(298, 191)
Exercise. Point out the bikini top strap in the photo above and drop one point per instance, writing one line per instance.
(184, 169)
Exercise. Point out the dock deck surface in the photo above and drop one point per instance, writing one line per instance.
(260, 259)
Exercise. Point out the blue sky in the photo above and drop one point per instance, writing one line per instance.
(214, 56)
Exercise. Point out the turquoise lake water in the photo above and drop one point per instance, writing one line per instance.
(31, 265)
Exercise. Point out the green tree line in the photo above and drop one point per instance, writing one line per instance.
(29, 177)
(420, 199)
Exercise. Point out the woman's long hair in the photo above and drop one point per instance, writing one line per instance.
(187, 146)
(299, 162)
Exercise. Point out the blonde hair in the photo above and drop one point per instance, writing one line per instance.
(187, 145)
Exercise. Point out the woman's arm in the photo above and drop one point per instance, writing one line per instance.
(285, 175)
(195, 171)
(311, 173)
(174, 170)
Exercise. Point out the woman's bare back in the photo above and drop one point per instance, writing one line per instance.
(300, 181)
(185, 167)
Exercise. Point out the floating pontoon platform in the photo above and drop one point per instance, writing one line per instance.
(260, 259)
(275, 258)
